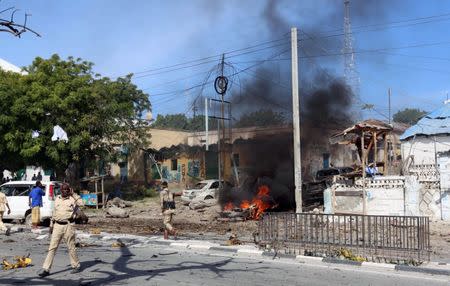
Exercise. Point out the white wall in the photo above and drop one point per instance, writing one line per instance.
(422, 148)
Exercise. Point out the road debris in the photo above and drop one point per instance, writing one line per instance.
(95, 231)
(85, 244)
(119, 203)
(118, 244)
(21, 262)
(117, 212)
(168, 253)
(233, 240)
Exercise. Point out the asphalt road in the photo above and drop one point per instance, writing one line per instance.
(160, 265)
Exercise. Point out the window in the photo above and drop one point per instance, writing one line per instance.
(326, 160)
(199, 186)
(21, 190)
(214, 185)
(236, 159)
(7, 190)
(174, 164)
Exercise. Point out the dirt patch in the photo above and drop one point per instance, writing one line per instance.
(440, 241)
(146, 219)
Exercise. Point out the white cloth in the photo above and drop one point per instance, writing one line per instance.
(34, 133)
(59, 134)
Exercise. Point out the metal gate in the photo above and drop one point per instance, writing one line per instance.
(372, 238)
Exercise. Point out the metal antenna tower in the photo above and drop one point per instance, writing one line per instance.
(350, 72)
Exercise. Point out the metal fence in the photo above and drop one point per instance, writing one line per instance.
(374, 238)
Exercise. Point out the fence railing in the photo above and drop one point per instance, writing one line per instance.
(374, 238)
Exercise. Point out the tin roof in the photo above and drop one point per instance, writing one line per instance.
(434, 123)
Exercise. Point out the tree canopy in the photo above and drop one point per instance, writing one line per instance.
(409, 115)
(97, 113)
(181, 122)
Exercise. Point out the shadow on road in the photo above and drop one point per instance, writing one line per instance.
(120, 271)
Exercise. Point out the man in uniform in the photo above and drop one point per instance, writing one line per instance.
(62, 227)
(3, 203)
(168, 209)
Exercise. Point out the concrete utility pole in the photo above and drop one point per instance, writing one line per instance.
(296, 123)
(206, 124)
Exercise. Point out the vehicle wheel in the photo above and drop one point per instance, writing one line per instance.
(209, 197)
(45, 222)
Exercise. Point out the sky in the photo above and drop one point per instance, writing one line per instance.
(402, 45)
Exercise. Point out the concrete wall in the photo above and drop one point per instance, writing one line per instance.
(418, 194)
(385, 196)
(422, 148)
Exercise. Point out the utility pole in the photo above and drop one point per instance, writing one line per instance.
(206, 124)
(222, 108)
(220, 85)
(296, 123)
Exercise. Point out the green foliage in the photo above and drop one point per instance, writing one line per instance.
(263, 117)
(181, 122)
(409, 115)
(96, 112)
(150, 193)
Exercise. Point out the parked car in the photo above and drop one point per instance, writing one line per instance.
(205, 190)
(17, 195)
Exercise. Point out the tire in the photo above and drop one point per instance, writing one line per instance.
(209, 197)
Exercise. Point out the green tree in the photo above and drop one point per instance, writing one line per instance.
(181, 122)
(409, 115)
(96, 112)
(263, 117)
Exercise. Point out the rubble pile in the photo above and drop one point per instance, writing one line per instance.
(116, 208)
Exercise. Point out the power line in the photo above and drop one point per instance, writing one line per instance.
(361, 30)
(214, 58)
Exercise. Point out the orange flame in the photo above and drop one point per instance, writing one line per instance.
(258, 205)
(228, 207)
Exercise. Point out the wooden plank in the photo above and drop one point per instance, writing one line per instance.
(349, 193)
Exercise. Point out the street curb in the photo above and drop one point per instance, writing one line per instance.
(279, 255)
(433, 271)
(224, 249)
(341, 261)
(433, 268)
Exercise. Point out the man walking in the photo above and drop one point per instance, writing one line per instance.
(35, 203)
(3, 203)
(61, 226)
(168, 210)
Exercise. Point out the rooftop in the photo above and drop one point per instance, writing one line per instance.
(434, 123)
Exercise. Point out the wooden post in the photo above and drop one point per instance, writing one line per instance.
(385, 157)
(363, 159)
(96, 192)
(374, 149)
(103, 195)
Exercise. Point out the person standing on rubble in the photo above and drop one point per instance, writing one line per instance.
(35, 203)
(61, 226)
(3, 204)
(168, 210)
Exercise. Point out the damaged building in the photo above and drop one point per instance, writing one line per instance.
(420, 187)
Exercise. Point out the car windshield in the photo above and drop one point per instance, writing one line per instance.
(16, 190)
(199, 186)
(7, 190)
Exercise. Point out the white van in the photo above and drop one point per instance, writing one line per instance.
(17, 195)
(203, 190)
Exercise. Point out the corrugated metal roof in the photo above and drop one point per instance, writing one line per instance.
(434, 123)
